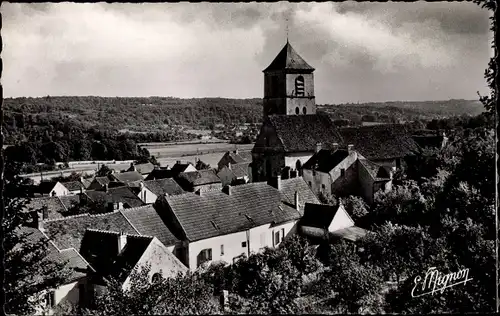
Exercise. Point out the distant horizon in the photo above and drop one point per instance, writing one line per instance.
(230, 98)
(362, 51)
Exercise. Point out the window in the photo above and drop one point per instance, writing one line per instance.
(221, 250)
(297, 111)
(244, 244)
(204, 255)
(323, 187)
(310, 183)
(276, 238)
(304, 110)
(282, 234)
(299, 86)
(342, 172)
(156, 278)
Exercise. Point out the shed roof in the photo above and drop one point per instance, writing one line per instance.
(46, 186)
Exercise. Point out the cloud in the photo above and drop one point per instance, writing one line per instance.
(361, 51)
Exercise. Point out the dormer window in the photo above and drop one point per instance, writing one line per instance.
(299, 86)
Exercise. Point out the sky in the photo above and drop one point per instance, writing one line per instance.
(362, 51)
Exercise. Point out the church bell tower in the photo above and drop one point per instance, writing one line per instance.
(289, 85)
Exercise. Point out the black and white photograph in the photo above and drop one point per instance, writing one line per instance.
(249, 158)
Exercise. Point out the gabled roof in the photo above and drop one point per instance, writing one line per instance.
(69, 200)
(288, 59)
(237, 157)
(180, 167)
(318, 215)
(199, 177)
(160, 174)
(127, 177)
(46, 186)
(102, 180)
(86, 183)
(143, 168)
(68, 232)
(381, 141)
(216, 213)
(146, 221)
(73, 185)
(377, 172)
(240, 169)
(325, 160)
(125, 195)
(301, 133)
(163, 186)
(69, 257)
(55, 208)
(299, 185)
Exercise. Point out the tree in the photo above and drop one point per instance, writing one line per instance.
(28, 267)
(200, 165)
(104, 171)
(356, 207)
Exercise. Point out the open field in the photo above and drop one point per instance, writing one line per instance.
(182, 150)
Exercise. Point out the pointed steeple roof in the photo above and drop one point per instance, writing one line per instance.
(288, 59)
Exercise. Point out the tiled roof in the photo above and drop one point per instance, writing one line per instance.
(68, 232)
(102, 180)
(380, 141)
(239, 156)
(179, 167)
(69, 200)
(143, 168)
(352, 233)
(146, 221)
(86, 183)
(318, 215)
(125, 195)
(198, 177)
(325, 160)
(217, 213)
(95, 195)
(70, 257)
(302, 132)
(46, 186)
(160, 174)
(432, 141)
(306, 195)
(73, 185)
(288, 58)
(128, 176)
(55, 208)
(162, 186)
(240, 170)
(377, 172)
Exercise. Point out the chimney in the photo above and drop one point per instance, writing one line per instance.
(141, 186)
(236, 151)
(132, 166)
(297, 200)
(278, 182)
(229, 165)
(224, 300)
(198, 192)
(288, 171)
(106, 187)
(81, 180)
(335, 146)
(178, 162)
(350, 148)
(122, 241)
(227, 189)
(318, 147)
(37, 221)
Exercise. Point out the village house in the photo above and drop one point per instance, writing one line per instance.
(199, 180)
(234, 157)
(115, 198)
(330, 223)
(224, 225)
(343, 172)
(430, 139)
(74, 187)
(75, 288)
(148, 191)
(98, 183)
(114, 255)
(143, 168)
(46, 207)
(164, 173)
(234, 174)
(127, 177)
(50, 188)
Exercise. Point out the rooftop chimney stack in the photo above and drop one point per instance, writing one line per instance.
(178, 162)
(229, 165)
(335, 146)
(278, 182)
(350, 148)
(297, 200)
(106, 187)
(318, 147)
(236, 151)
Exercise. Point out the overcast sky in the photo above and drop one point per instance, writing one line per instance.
(361, 51)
